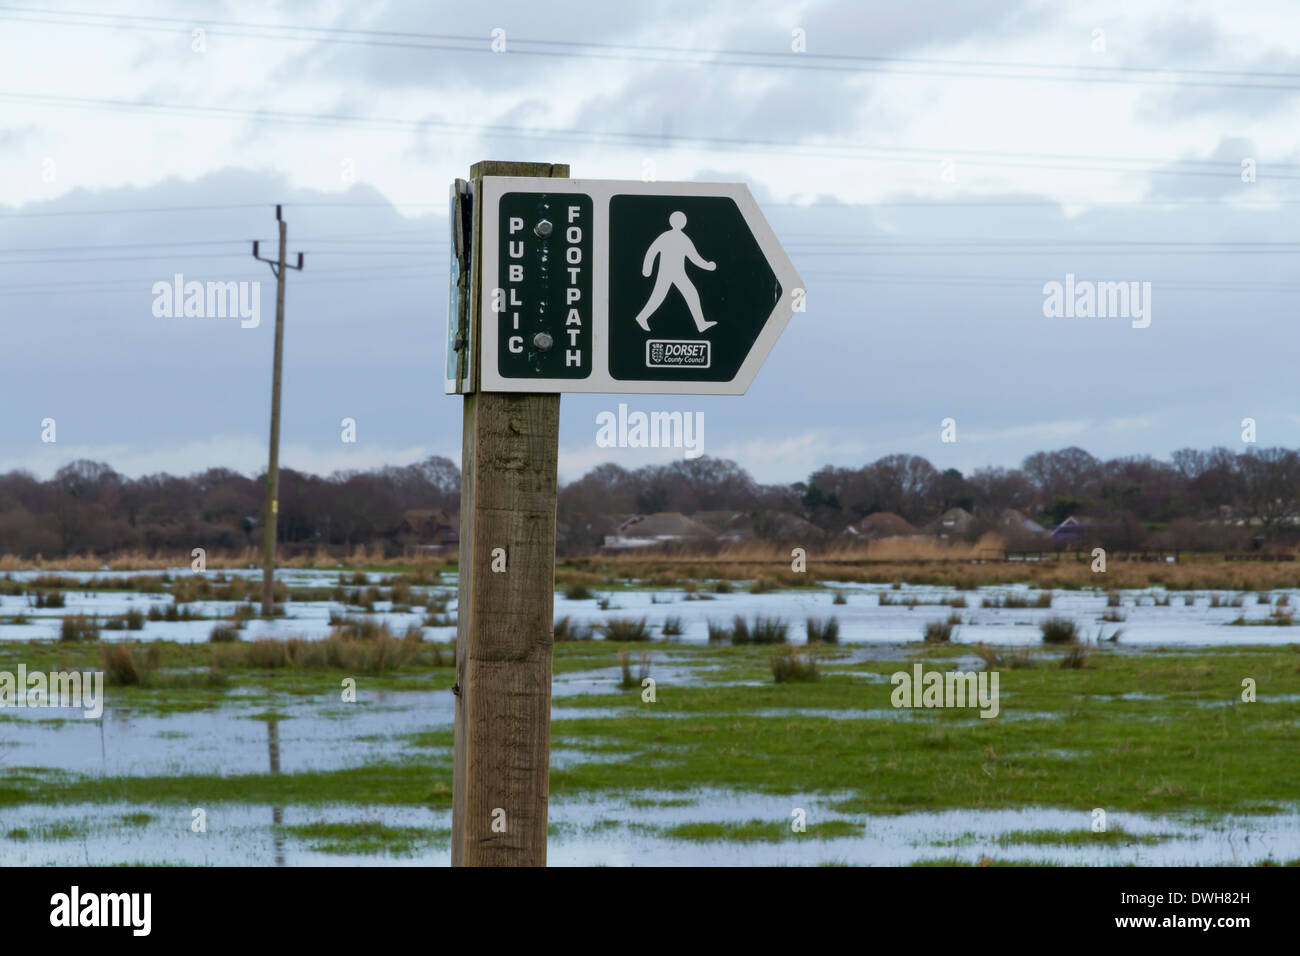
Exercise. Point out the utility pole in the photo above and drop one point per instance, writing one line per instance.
(501, 774)
(271, 521)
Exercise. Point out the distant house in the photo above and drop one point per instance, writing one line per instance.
(1020, 523)
(882, 524)
(953, 523)
(642, 531)
(428, 527)
(769, 525)
(1077, 529)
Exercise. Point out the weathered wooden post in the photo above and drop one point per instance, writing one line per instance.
(507, 590)
(552, 292)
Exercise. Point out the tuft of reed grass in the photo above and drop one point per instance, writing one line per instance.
(840, 598)
(673, 627)
(578, 592)
(79, 627)
(337, 651)
(1059, 630)
(1018, 658)
(1075, 658)
(625, 629)
(120, 668)
(223, 634)
(566, 629)
(823, 630)
(360, 629)
(789, 666)
(938, 632)
(626, 680)
(763, 630)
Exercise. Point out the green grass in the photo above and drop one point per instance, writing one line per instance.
(368, 838)
(1156, 731)
(760, 831)
(1082, 837)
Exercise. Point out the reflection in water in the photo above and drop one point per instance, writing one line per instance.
(277, 813)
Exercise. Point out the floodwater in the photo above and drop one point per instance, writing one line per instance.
(615, 833)
(250, 734)
(1149, 617)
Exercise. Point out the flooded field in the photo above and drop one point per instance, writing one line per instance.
(722, 766)
(871, 613)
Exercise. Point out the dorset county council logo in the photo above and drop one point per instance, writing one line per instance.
(674, 353)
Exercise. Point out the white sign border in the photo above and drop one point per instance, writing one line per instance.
(601, 191)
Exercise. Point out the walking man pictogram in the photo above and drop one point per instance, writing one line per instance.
(673, 248)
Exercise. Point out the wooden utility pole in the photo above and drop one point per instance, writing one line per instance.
(504, 632)
(271, 521)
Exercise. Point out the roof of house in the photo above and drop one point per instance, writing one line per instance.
(1020, 521)
(663, 524)
(884, 524)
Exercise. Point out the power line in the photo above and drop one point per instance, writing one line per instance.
(748, 59)
(866, 152)
(1046, 203)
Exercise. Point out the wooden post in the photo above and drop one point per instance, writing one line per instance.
(501, 782)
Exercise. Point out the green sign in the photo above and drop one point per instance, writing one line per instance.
(608, 286)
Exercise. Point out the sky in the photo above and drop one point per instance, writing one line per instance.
(929, 167)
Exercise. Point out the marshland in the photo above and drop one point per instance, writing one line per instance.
(702, 704)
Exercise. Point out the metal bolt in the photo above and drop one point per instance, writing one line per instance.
(542, 341)
(543, 228)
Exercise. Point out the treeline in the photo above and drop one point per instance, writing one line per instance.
(88, 508)
(1196, 500)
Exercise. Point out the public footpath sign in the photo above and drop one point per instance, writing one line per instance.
(610, 286)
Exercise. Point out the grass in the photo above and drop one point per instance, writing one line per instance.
(342, 650)
(626, 680)
(763, 630)
(1018, 601)
(132, 620)
(760, 831)
(567, 629)
(1000, 659)
(1278, 617)
(1059, 630)
(79, 627)
(673, 627)
(940, 632)
(789, 666)
(578, 592)
(367, 837)
(120, 668)
(626, 629)
(1077, 738)
(822, 630)
(223, 634)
